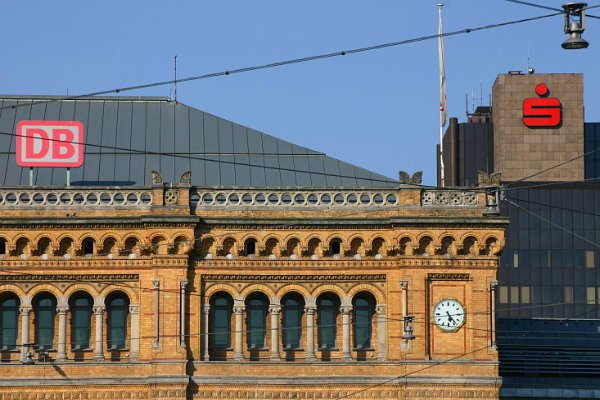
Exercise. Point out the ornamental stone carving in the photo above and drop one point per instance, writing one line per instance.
(448, 198)
(171, 197)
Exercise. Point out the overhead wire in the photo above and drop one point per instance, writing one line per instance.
(188, 156)
(511, 183)
(389, 381)
(546, 7)
(326, 56)
(297, 60)
(541, 217)
(559, 207)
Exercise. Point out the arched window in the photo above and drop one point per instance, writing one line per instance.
(44, 308)
(9, 321)
(81, 314)
(362, 309)
(221, 321)
(117, 309)
(250, 247)
(87, 246)
(335, 247)
(292, 308)
(327, 310)
(2, 247)
(256, 308)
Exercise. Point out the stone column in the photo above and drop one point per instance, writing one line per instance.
(381, 332)
(404, 288)
(206, 315)
(61, 354)
(25, 345)
(98, 348)
(182, 327)
(274, 311)
(346, 354)
(310, 333)
(156, 339)
(238, 354)
(134, 343)
(493, 287)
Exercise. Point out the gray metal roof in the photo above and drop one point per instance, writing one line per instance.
(218, 152)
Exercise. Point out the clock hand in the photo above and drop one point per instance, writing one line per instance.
(450, 317)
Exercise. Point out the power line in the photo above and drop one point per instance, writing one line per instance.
(553, 167)
(297, 60)
(553, 223)
(202, 296)
(526, 185)
(546, 7)
(575, 211)
(188, 156)
(412, 373)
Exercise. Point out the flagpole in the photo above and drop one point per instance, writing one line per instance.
(442, 93)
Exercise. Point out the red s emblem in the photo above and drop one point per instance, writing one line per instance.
(542, 112)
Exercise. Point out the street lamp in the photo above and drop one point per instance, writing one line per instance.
(574, 26)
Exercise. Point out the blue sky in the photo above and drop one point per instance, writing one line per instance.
(378, 110)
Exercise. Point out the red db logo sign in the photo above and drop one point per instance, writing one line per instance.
(49, 143)
(542, 112)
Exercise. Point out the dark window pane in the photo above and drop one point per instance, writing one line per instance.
(221, 322)
(257, 313)
(118, 309)
(81, 313)
(327, 312)
(292, 322)
(45, 312)
(362, 323)
(9, 314)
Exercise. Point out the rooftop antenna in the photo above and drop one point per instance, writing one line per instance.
(175, 81)
(467, 105)
(481, 92)
(530, 69)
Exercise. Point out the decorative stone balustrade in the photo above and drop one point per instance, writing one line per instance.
(75, 197)
(201, 198)
(451, 198)
(293, 198)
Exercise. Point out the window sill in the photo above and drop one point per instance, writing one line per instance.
(293, 349)
(363, 349)
(10, 350)
(328, 349)
(86, 350)
(117, 349)
(257, 349)
(220, 349)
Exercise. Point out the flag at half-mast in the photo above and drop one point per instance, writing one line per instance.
(443, 111)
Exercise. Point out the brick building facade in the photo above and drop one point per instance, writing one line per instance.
(315, 282)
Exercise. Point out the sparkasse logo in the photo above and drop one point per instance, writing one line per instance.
(543, 111)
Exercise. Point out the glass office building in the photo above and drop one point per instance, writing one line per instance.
(548, 302)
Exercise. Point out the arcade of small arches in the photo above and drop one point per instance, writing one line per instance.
(356, 246)
(70, 324)
(294, 323)
(88, 245)
(209, 246)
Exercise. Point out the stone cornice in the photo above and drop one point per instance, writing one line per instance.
(445, 276)
(395, 262)
(295, 278)
(95, 262)
(101, 222)
(356, 223)
(69, 277)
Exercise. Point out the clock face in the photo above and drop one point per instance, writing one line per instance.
(449, 315)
